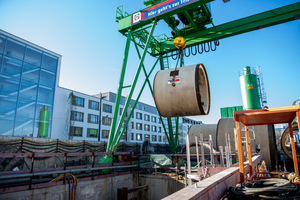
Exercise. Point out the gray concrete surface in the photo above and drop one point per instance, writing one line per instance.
(213, 187)
(89, 190)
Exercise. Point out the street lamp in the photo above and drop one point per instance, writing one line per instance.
(100, 116)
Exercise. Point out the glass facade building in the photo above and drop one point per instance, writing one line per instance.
(28, 78)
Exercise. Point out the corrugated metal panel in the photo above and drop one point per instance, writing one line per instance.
(227, 112)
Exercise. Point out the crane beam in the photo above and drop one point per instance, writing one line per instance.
(240, 26)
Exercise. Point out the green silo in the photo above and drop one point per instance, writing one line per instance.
(44, 122)
(249, 89)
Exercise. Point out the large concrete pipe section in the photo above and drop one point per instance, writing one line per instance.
(182, 92)
(286, 143)
(264, 137)
(206, 130)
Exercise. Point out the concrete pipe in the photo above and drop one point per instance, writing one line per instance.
(264, 136)
(184, 92)
(206, 130)
(286, 143)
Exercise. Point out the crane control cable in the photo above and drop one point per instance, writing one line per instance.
(206, 47)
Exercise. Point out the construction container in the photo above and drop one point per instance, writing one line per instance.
(182, 92)
(227, 112)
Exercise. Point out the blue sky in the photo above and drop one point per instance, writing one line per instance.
(86, 35)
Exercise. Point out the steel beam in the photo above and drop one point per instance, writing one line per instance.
(240, 26)
(119, 93)
(112, 147)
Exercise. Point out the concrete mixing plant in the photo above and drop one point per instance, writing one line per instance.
(252, 89)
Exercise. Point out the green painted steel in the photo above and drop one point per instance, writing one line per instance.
(136, 101)
(162, 63)
(252, 90)
(240, 26)
(106, 159)
(112, 146)
(119, 93)
(227, 112)
(195, 34)
(125, 22)
(44, 122)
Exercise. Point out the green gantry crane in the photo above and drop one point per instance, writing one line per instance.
(194, 15)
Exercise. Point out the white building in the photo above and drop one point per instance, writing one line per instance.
(83, 118)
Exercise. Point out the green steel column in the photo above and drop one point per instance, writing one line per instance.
(171, 142)
(44, 122)
(136, 101)
(111, 147)
(151, 90)
(119, 93)
(176, 134)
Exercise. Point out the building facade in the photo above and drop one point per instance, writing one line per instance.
(28, 79)
(89, 118)
(33, 105)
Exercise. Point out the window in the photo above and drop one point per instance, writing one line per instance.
(105, 133)
(147, 137)
(106, 121)
(147, 117)
(159, 121)
(79, 101)
(165, 139)
(92, 132)
(153, 128)
(93, 119)
(132, 116)
(47, 78)
(159, 138)
(76, 131)
(159, 129)
(93, 105)
(77, 116)
(132, 125)
(139, 115)
(139, 136)
(153, 119)
(153, 138)
(121, 110)
(143, 107)
(33, 56)
(132, 136)
(14, 49)
(147, 127)
(139, 126)
(45, 94)
(107, 108)
(49, 62)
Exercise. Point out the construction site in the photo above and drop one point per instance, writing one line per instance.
(240, 157)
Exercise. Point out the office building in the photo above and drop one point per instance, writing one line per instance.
(28, 79)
